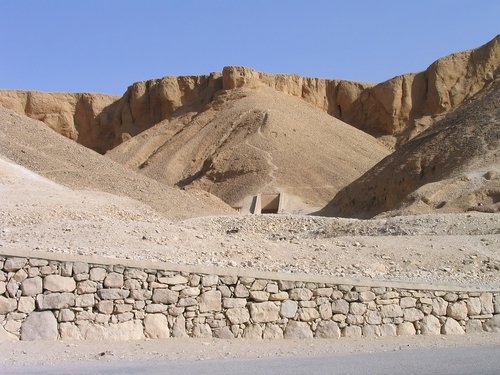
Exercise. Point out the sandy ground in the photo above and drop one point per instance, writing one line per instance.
(24, 353)
(39, 215)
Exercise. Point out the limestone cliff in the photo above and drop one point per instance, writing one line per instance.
(402, 107)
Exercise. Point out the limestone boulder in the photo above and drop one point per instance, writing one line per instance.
(327, 330)
(298, 330)
(39, 326)
(156, 326)
(56, 283)
(452, 327)
(263, 312)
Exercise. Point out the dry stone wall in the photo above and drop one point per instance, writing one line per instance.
(49, 300)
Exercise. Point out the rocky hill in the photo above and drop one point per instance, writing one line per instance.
(31, 144)
(254, 140)
(401, 107)
(452, 167)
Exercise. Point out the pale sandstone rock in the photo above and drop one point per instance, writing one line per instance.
(430, 325)
(373, 317)
(55, 301)
(2, 287)
(32, 286)
(209, 280)
(388, 330)
(7, 305)
(174, 280)
(439, 306)
(493, 324)
(487, 303)
(113, 280)
(26, 305)
(105, 307)
(474, 306)
(56, 283)
(87, 286)
(241, 291)
(327, 330)
(297, 330)
(130, 330)
(391, 311)
(253, 332)
(406, 329)
(352, 331)
(190, 292)
(14, 264)
(263, 312)
(452, 327)
(371, 331)
(69, 331)
(210, 301)
(6, 336)
(407, 302)
(300, 294)
(340, 307)
(357, 308)
(202, 331)
(308, 314)
(325, 311)
(80, 268)
(272, 332)
(39, 326)
(66, 315)
(165, 296)
(223, 333)
(238, 315)
(457, 310)
(97, 274)
(473, 326)
(113, 293)
(366, 296)
(85, 300)
(281, 296)
(259, 296)
(288, 309)
(412, 314)
(179, 327)
(156, 326)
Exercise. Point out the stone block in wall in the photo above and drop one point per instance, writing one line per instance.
(406, 329)
(66, 269)
(327, 330)
(69, 331)
(130, 330)
(371, 331)
(259, 295)
(210, 301)
(473, 306)
(439, 306)
(388, 330)
(264, 312)
(241, 291)
(209, 280)
(430, 325)
(229, 303)
(391, 311)
(190, 292)
(223, 333)
(113, 280)
(80, 268)
(32, 286)
(286, 285)
(39, 326)
(486, 303)
(173, 280)
(26, 305)
(289, 309)
(201, 330)
(352, 331)
(7, 305)
(253, 332)
(340, 306)
(105, 307)
(493, 324)
(272, 332)
(297, 330)
(85, 300)
(452, 327)
(457, 310)
(156, 326)
(325, 311)
(258, 285)
(412, 314)
(156, 308)
(56, 283)
(87, 286)
(14, 264)
(308, 314)
(113, 293)
(98, 274)
(135, 273)
(473, 326)
(55, 301)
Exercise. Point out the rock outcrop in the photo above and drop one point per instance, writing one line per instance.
(452, 167)
(401, 107)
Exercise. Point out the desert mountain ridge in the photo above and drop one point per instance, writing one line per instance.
(399, 108)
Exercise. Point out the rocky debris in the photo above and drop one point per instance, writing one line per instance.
(181, 304)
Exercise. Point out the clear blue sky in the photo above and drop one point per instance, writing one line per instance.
(106, 45)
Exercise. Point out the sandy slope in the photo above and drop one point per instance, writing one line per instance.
(39, 215)
(31, 144)
(455, 165)
(249, 141)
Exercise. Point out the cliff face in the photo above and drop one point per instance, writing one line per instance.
(401, 107)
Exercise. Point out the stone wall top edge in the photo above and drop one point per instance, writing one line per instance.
(314, 278)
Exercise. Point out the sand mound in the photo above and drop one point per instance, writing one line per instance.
(33, 145)
(251, 141)
(452, 167)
